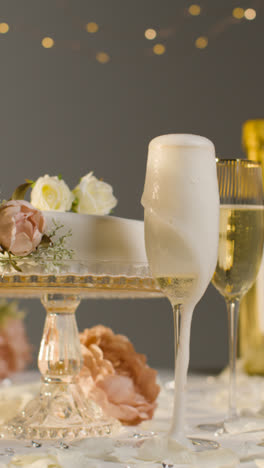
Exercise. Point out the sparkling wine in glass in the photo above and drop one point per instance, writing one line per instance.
(181, 211)
(241, 238)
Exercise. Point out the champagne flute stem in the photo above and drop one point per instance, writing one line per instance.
(232, 311)
(176, 320)
(182, 343)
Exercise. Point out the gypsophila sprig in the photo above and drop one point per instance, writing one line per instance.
(50, 255)
(53, 256)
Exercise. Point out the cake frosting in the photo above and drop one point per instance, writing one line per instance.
(100, 238)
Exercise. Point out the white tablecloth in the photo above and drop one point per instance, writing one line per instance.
(206, 402)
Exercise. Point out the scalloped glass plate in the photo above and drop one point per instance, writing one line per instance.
(93, 279)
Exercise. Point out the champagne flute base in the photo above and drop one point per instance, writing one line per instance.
(245, 423)
(202, 445)
(217, 429)
(157, 442)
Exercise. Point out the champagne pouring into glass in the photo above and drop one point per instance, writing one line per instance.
(241, 238)
(181, 206)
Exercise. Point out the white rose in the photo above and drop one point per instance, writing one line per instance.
(51, 193)
(94, 196)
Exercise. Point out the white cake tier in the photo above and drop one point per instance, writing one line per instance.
(101, 238)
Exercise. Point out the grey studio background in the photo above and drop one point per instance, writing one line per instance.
(63, 112)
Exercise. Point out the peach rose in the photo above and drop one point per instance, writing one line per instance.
(21, 227)
(116, 377)
(15, 351)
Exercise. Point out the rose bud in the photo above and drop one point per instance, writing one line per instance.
(21, 227)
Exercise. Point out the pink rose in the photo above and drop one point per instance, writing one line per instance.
(15, 351)
(116, 377)
(21, 227)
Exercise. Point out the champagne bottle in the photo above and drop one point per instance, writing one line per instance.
(251, 333)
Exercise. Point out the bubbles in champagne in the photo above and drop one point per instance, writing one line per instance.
(177, 289)
(240, 248)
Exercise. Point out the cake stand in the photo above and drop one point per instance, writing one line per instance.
(60, 410)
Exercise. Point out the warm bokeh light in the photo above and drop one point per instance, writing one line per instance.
(47, 42)
(194, 10)
(238, 13)
(250, 14)
(201, 42)
(159, 49)
(4, 28)
(102, 57)
(92, 27)
(150, 34)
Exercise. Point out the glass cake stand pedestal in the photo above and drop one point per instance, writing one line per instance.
(60, 411)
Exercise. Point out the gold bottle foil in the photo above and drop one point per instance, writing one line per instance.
(251, 330)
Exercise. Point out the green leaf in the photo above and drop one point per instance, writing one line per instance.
(75, 203)
(59, 176)
(13, 262)
(46, 241)
(32, 182)
(21, 190)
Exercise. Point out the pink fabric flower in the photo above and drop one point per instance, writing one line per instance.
(116, 377)
(21, 227)
(15, 351)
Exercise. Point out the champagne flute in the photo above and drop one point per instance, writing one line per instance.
(241, 238)
(181, 211)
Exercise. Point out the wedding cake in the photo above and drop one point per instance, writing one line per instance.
(101, 238)
(63, 230)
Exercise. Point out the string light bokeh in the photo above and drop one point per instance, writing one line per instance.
(102, 57)
(238, 13)
(160, 36)
(250, 14)
(194, 10)
(159, 49)
(150, 34)
(4, 28)
(47, 42)
(201, 42)
(91, 27)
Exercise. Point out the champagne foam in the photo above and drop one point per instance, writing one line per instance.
(181, 204)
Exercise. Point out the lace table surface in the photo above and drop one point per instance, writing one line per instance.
(207, 399)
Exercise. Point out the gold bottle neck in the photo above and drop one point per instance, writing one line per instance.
(253, 140)
(256, 154)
